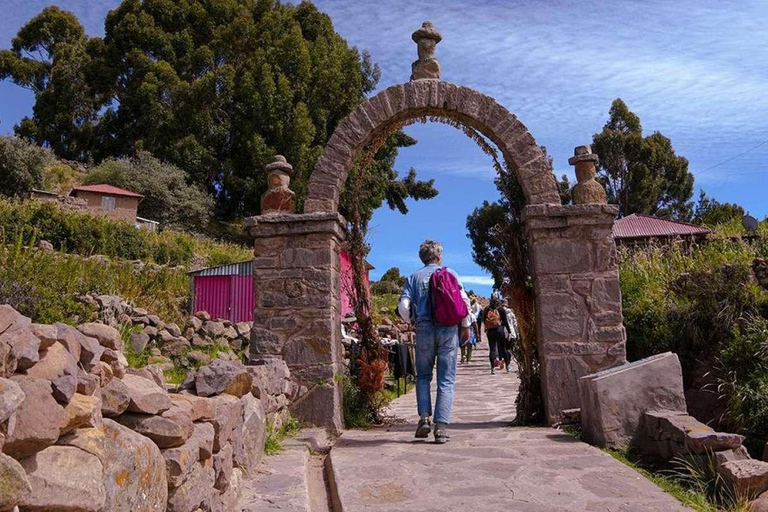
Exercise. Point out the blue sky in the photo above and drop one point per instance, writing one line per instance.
(696, 70)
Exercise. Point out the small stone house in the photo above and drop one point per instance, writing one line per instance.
(114, 202)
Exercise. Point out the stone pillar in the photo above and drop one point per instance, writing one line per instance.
(579, 324)
(297, 307)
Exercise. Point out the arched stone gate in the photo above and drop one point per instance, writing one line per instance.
(296, 266)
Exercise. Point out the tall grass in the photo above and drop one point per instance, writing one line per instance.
(46, 285)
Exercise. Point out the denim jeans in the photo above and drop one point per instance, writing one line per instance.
(436, 343)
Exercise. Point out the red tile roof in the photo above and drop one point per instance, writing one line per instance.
(646, 226)
(104, 189)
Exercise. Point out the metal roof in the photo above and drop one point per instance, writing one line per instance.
(231, 269)
(646, 226)
(104, 189)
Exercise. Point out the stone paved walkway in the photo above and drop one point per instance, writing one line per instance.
(488, 465)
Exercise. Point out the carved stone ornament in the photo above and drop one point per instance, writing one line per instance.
(426, 39)
(587, 190)
(278, 198)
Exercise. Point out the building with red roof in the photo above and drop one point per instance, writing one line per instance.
(639, 228)
(114, 202)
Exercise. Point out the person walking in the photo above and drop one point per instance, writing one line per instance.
(467, 348)
(512, 334)
(496, 328)
(476, 311)
(436, 342)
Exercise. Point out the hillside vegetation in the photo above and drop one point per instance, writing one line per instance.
(708, 304)
(46, 286)
(86, 235)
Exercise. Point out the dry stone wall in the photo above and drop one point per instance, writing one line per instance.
(80, 430)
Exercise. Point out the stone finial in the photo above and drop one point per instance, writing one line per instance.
(587, 190)
(426, 39)
(278, 198)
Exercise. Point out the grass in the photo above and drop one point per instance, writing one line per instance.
(689, 494)
(46, 285)
(275, 437)
(175, 375)
(691, 482)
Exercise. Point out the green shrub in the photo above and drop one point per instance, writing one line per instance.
(357, 410)
(22, 166)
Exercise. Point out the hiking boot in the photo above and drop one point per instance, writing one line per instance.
(493, 371)
(441, 434)
(507, 368)
(423, 428)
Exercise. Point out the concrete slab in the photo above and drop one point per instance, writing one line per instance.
(487, 465)
(281, 483)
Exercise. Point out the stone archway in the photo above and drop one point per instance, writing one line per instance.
(430, 97)
(579, 326)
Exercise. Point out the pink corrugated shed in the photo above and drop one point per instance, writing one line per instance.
(229, 297)
(646, 226)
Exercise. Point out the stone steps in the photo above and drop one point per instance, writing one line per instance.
(294, 480)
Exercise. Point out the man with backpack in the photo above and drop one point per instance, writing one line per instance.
(434, 300)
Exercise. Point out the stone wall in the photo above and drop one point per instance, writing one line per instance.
(296, 318)
(79, 430)
(579, 321)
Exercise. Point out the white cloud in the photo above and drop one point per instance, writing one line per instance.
(478, 280)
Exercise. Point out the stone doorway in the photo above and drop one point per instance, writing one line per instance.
(579, 326)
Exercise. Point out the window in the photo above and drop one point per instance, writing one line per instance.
(108, 203)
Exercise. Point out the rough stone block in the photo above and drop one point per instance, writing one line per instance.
(747, 478)
(562, 256)
(563, 317)
(321, 406)
(64, 478)
(13, 483)
(165, 433)
(724, 456)
(683, 434)
(36, 422)
(613, 401)
(133, 468)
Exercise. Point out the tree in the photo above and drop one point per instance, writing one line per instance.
(390, 283)
(22, 166)
(712, 212)
(216, 88)
(168, 198)
(393, 275)
(50, 57)
(641, 174)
